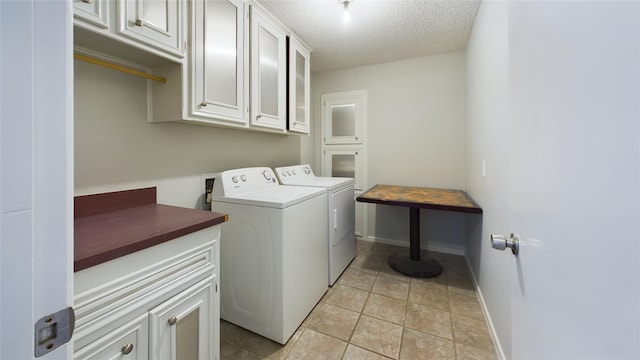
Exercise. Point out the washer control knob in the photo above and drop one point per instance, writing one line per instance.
(284, 173)
(307, 170)
(234, 179)
(266, 174)
(243, 177)
(293, 171)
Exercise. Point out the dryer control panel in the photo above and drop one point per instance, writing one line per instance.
(294, 172)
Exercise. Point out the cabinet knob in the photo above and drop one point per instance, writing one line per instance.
(172, 320)
(204, 103)
(126, 349)
(87, 1)
(258, 117)
(139, 22)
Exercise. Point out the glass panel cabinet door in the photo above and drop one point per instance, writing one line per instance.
(344, 162)
(182, 327)
(342, 119)
(299, 88)
(219, 64)
(268, 69)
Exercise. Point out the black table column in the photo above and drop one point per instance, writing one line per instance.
(413, 265)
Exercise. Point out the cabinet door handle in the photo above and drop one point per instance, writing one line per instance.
(87, 1)
(172, 320)
(127, 348)
(139, 22)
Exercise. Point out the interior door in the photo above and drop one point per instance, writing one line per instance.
(574, 179)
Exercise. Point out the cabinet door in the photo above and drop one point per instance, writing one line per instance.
(152, 22)
(344, 162)
(220, 67)
(93, 12)
(343, 117)
(268, 71)
(182, 327)
(129, 341)
(299, 88)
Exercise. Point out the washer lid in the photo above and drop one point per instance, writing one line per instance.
(278, 197)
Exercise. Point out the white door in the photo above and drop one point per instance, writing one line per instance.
(574, 70)
(36, 171)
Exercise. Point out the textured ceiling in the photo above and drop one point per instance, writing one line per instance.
(379, 31)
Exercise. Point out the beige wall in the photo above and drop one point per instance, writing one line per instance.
(116, 149)
(416, 136)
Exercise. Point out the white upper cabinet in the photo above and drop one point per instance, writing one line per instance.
(299, 88)
(220, 68)
(145, 32)
(268, 71)
(91, 12)
(153, 22)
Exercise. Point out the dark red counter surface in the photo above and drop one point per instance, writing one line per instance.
(115, 224)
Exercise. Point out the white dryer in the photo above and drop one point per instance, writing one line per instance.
(273, 260)
(340, 215)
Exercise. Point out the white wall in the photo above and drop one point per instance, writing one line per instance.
(416, 136)
(487, 138)
(117, 149)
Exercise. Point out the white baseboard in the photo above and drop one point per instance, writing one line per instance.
(431, 246)
(492, 330)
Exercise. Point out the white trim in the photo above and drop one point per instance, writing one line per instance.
(441, 247)
(487, 316)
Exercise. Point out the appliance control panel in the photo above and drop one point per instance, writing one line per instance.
(237, 181)
(294, 172)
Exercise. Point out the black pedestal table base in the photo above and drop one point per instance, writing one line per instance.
(412, 264)
(423, 268)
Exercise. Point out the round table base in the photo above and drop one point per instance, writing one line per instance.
(423, 268)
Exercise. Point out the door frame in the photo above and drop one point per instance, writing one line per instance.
(36, 171)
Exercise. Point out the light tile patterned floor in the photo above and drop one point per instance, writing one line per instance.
(373, 312)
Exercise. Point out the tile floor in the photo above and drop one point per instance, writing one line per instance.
(373, 312)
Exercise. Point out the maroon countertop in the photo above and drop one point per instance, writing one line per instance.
(111, 225)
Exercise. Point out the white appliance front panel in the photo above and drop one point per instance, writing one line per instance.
(341, 213)
(342, 239)
(273, 265)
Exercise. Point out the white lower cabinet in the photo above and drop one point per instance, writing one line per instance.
(181, 328)
(129, 340)
(158, 303)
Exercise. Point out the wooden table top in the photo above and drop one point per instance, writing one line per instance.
(419, 197)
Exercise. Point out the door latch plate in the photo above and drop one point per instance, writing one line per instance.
(54, 330)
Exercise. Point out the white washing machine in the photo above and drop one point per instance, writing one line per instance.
(273, 260)
(341, 213)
